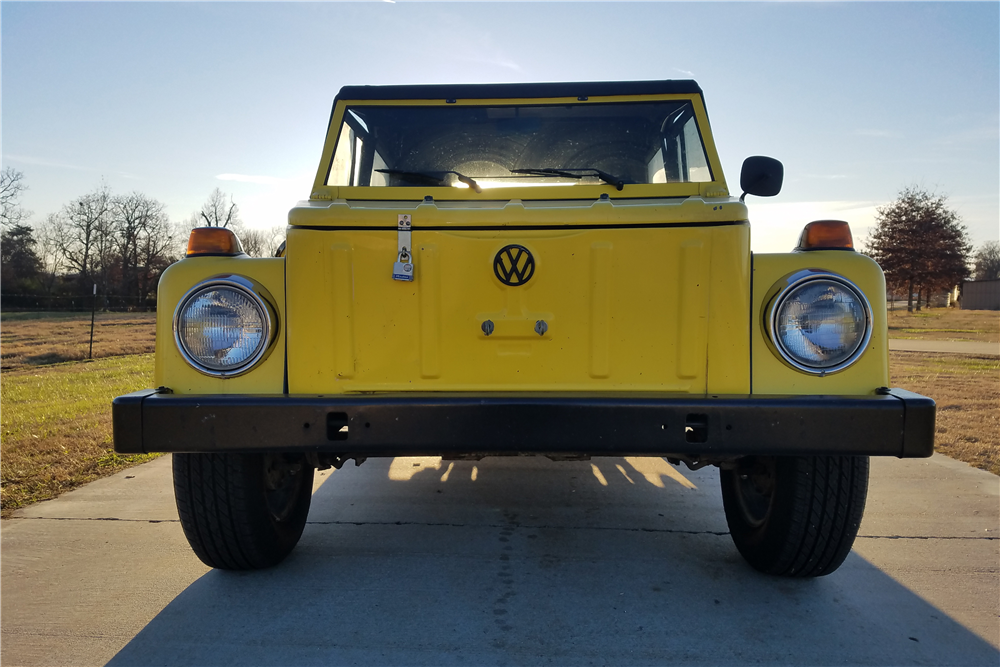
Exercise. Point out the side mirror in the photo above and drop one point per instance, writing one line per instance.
(761, 176)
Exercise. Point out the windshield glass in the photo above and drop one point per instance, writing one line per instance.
(519, 145)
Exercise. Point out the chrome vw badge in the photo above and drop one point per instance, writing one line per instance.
(514, 265)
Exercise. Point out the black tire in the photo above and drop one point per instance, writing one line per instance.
(795, 516)
(242, 511)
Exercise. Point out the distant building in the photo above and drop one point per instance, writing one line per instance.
(949, 299)
(981, 295)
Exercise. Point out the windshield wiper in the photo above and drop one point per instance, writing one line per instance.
(570, 173)
(431, 177)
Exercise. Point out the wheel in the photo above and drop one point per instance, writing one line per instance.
(795, 516)
(242, 511)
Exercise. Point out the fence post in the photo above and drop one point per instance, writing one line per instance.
(93, 309)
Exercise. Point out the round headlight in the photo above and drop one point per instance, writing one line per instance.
(223, 327)
(820, 323)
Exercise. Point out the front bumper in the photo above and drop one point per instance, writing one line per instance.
(894, 423)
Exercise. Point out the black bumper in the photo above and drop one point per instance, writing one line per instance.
(897, 423)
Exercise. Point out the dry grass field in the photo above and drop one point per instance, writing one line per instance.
(56, 409)
(946, 324)
(967, 392)
(40, 339)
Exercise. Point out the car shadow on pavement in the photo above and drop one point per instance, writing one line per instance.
(514, 561)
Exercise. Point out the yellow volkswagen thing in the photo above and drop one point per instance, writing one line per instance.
(550, 269)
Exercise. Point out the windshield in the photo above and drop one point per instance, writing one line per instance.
(518, 145)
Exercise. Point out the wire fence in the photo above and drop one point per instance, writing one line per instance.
(71, 304)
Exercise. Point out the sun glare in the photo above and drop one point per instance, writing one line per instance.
(403, 468)
(654, 469)
(598, 475)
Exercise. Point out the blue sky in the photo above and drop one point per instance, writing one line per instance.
(174, 99)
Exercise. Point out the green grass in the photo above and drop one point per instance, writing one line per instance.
(55, 426)
(35, 402)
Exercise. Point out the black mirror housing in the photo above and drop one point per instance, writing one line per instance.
(761, 176)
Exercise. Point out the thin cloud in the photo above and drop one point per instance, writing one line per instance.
(473, 45)
(498, 60)
(971, 135)
(684, 72)
(505, 63)
(55, 164)
(248, 178)
(881, 134)
(41, 162)
(827, 177)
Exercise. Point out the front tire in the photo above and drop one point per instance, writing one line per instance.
(242, 511)
(795, 516)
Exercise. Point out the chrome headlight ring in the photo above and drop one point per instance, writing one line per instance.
(237, 293)
(794, 284)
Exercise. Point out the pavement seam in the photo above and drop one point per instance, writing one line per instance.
(492, 525)
(392, 523)
(520, 525)
(88, 518)
(927, 537)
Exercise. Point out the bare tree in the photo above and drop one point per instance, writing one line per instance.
(86, 239)
(217, 212)
(134, 216)
(261, 242)
(181, 233)
(253, 242)
(11, 187)
(49, 235)
(157, 249)
(145, 243)
(920, 244)
(120, 242)
(987, 261)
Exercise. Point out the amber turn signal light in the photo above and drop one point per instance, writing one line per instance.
(217, 241)
(826, 235)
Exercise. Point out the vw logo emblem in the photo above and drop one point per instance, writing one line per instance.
(514, 265)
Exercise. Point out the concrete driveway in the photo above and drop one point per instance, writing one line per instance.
(506, 561)
(946, 346)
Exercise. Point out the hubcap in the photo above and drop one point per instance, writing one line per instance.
(281, 485)
(755, 488)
